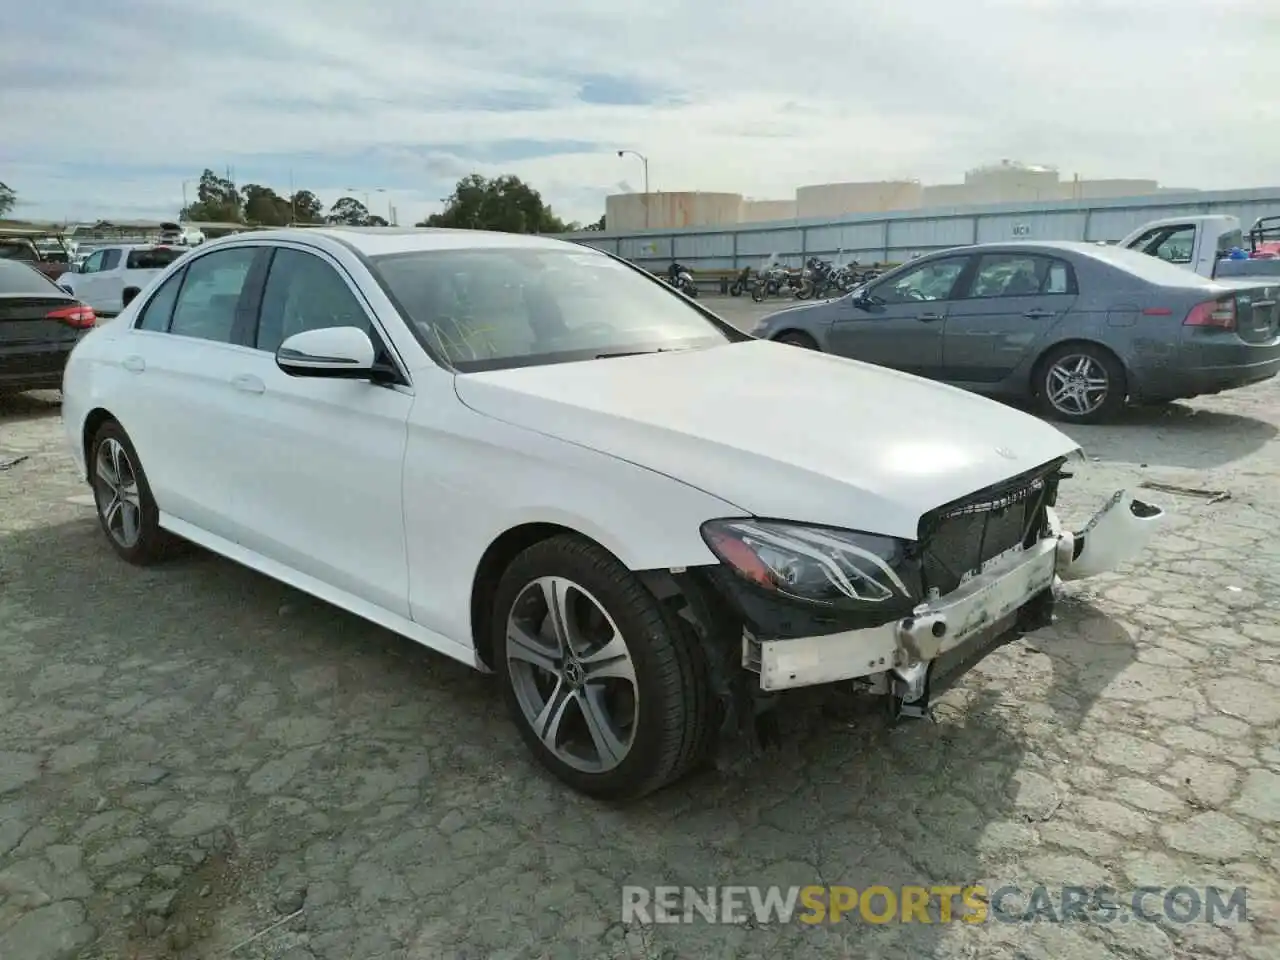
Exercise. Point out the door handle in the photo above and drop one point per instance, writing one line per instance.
(1038, 314)
(929, 317)
(248, 383)
(134, 364)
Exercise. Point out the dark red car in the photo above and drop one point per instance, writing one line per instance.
(40, 323)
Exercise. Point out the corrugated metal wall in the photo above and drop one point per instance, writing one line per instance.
(894, 237)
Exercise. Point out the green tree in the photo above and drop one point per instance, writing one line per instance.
(307, 208)
(8, 199)
(349, 212)
(262, 205)
(506, 204)
(217, 199)
(598, 225)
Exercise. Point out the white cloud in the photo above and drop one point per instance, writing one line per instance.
(768, 98)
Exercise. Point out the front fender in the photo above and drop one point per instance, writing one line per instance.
(1117, 534)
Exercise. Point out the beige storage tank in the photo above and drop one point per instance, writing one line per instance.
(833, 199)
(1108, 189)
(665, 211)
(1011, 182)
(763, 211)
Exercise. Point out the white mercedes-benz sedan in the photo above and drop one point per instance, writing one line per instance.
(538, 459)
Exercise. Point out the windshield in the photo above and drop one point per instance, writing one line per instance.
(493, 309)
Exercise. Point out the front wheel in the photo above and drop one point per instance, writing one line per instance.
(1080, 383)
(736, 289)
(605, 688)
(759, 292)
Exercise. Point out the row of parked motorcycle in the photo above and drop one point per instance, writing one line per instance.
(815, 280)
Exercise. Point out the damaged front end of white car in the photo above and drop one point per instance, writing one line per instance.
(808, 605)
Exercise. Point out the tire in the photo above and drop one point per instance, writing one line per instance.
(736, 290)
(758, 293)
(797, 338)
(128, 296)
(1091, 363)
(805, 290)
(112, 450)
(668, 728)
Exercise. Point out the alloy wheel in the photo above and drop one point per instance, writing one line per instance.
(1077, 385)
(572, 674)
(115, 489)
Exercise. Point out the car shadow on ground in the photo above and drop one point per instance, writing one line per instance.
(254, 740)
(1170, 435)
(16, 407)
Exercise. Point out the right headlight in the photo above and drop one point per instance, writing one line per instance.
(827, 566)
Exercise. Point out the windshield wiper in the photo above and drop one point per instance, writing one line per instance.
(635, 353)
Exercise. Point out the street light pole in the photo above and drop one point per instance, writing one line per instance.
(644, 160)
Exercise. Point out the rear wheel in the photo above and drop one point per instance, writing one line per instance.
(126, 509)
(604, 687)
(1080, 383)
(759, 292)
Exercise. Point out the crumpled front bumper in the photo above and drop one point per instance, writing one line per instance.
(980, 609)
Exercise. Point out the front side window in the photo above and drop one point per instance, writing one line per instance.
(206, 306)
(1171, 244)
(496, 308)
(931, 281)
(94, 262)
(303, 292)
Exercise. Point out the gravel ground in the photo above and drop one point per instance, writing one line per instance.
(192, 756)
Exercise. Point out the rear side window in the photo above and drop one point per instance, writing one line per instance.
(110, 259)
(156, 259)
(18, 278)
(159, 310)
(206, 305)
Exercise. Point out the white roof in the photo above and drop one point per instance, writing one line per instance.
(373, 241)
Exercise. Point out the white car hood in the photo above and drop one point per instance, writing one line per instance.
(779, 431)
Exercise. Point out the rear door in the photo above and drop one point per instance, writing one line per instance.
(1008, 305)
(899, 323)
(183, 354)
(33, 345)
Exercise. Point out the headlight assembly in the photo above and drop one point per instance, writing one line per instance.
(820, 565)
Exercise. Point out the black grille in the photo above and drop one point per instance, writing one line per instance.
(959, 538)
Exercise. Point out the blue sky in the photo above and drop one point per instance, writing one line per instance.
(109, 107)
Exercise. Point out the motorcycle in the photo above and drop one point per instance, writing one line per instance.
(680, 278)
(769, 282)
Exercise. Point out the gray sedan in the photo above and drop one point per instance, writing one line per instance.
(1079, 328)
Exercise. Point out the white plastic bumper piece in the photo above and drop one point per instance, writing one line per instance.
(1118, 533)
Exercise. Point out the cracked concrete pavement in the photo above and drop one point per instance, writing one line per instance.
(193, 756)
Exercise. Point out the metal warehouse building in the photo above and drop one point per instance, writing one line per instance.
(895, 237)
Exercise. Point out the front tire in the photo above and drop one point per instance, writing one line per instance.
(127, 511)
(1080, 383)
(605, 688)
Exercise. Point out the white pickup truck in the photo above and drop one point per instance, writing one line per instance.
(1203, 244)
(112, 276)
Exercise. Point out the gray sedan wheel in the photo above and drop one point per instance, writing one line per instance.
(1080, 383)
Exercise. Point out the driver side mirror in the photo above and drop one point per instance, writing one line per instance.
(344, 353)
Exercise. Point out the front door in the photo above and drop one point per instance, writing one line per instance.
(320, 461)
(898, 322)
(1010, 304)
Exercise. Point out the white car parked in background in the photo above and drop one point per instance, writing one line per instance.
(543, 462)
(110, 277)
